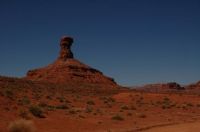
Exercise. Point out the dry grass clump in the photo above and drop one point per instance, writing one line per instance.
(21, 125)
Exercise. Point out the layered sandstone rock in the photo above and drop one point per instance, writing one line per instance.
(163, 87)
(65, 52)
(195, 86)
(66, 69)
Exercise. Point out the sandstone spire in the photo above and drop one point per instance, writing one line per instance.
(65, 51)
(66, 69)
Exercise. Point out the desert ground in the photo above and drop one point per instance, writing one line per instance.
(89, 108)
(186, 127)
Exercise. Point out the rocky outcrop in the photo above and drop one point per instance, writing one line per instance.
(162, 87)
(195, 86)
(65, 52)
(173, 85)
(66, 69)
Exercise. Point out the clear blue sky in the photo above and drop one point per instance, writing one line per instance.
(134, 41)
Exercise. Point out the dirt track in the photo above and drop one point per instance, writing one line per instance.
(188, 127)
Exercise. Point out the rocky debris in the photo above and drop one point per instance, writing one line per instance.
(66, 69)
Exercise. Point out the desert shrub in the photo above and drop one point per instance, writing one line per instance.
(9, 93)
(50, 107)
(121, 110)
(124, 107)
(151, 102)
(67, 101)
(81, 116)
(107, 99)
(49, 97)
(63, 106)
(72, 112)
(139, 101)
(90, 102)
(184, 106)
(109, 105)
(173, 104)
(24, 114)
(117, 117)
(167, 104)
(129, 114)
(99, 122)
(133, 107)
(37, 96)
(98, 111)
(166, 99)
(110, 99)
(36, 111)
(88, 109)
(190, 105)
(24, 101)
(61, 99)
(141, 98)
(158, 102)
(1, 93)
(21, 126)
(78, 97)
(42, 104)
(141, 115)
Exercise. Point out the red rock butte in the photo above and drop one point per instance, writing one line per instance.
(66, 69)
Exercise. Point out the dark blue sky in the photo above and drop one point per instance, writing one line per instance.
(135, 41)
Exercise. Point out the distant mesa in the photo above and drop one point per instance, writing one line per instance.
(66, 69)
(195, 86)
(173, 85)
(163, 87)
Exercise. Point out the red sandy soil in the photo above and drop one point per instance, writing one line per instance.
(186, 127)
(91, 108)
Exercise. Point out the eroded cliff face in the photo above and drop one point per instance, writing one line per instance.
(67, 69)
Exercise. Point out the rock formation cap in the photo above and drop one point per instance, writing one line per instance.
(65, 44)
